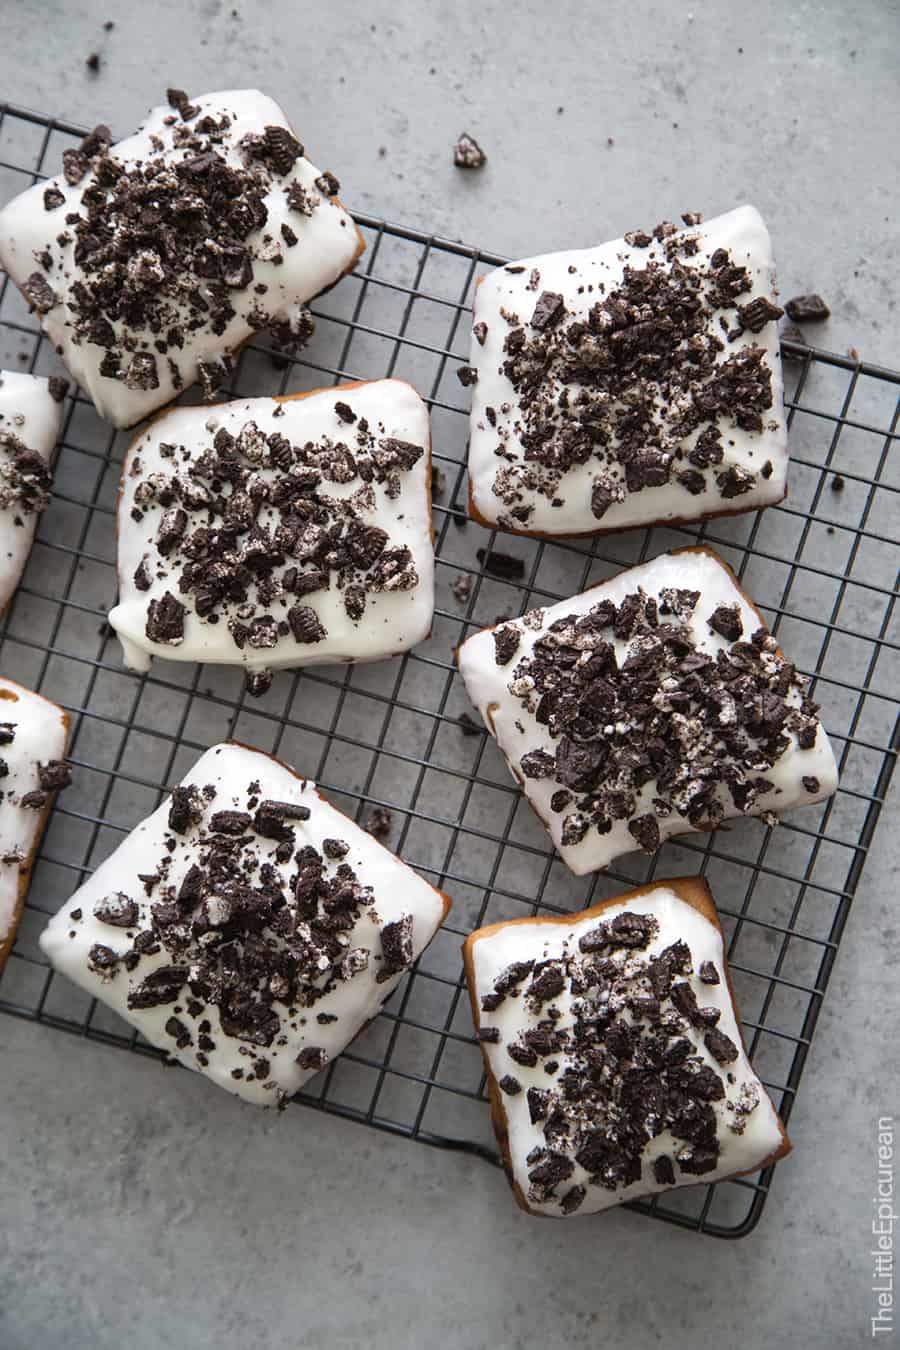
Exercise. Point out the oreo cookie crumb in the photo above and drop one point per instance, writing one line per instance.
(807, 309)
(468, 154)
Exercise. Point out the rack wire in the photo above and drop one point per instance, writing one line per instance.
(822, 567)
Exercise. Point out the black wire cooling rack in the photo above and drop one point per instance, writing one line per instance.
(823, 568)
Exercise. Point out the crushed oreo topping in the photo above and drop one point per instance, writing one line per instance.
(635, 1066)
(262, 943)
(704, 728)
(25, 480)
(632, 386)
(249, 530)
(396, 948)
(117, 909)
(164, 243)
(506, 643)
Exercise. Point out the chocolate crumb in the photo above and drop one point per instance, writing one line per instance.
(489, 1035)
(462, 587)
(807, 309)
(721, 1047)
(663, 1171)
(396, 947)
(380, 822)
(54, 775)
(506, 644)
(468, 154)
(726, 621)
(312, 1057)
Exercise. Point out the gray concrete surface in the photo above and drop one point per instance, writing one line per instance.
(134, 1213)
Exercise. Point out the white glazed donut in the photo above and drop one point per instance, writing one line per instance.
(274, 532)
(247, 927)
(30, 419)
(614, 1056)
(151, 261)
(631, 384)
(33, 735)
(652, 704)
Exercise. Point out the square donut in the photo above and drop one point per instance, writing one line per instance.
(30, 420)
(246, 927)
(613, 1051)
(33, 737)
(274, 532)
(151, 261)
(631, 384)
(652, 704)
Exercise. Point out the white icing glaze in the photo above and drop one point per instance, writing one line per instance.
(30, 413)
(398, 890)
(486, 683)
(392, 622)
(328, 246)
(40, 735)
(538, 941)
(744, 234)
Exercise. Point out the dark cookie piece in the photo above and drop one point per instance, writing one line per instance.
(117, 909)
(468, 154)
(663, 1171)
(645, 830)
(185, 809)
(807, 309)
(726, 621)
(548, 311)
(165, 621)
(312, 1057)
(396, 947)
(305, 624)
(758, 313)
(271, 818)
(506, 644)
(39, 293)
(721, 1047)
(54, 775)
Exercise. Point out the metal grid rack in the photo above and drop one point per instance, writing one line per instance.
(823, 568)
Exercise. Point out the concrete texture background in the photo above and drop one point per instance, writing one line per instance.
(132, 1213)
